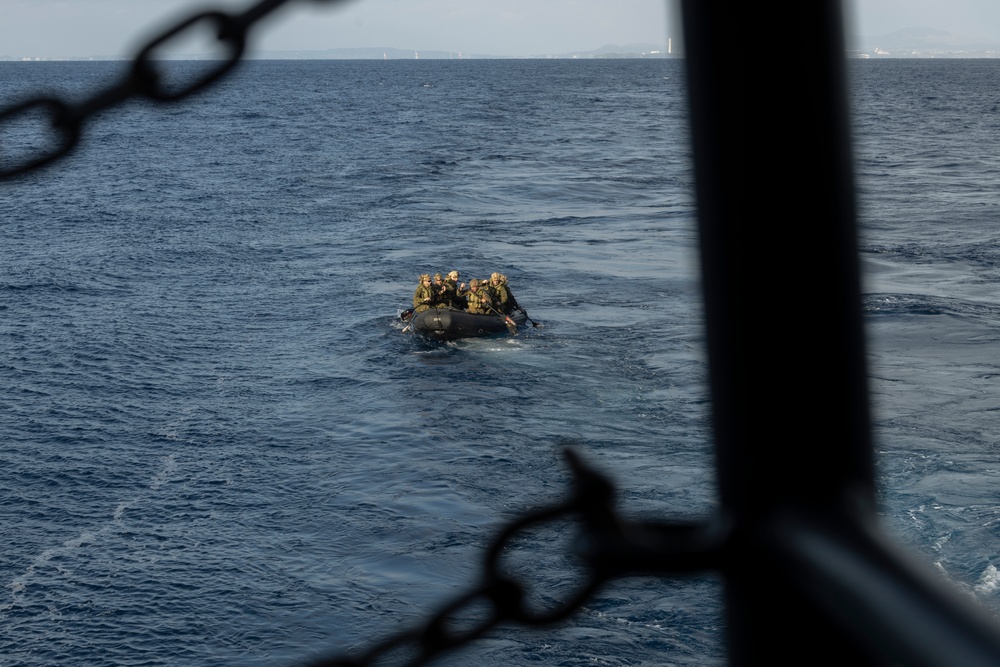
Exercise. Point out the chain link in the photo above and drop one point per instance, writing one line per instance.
(610, 548)
(61, 122)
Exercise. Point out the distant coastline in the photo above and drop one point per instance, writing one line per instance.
(387, 53)
(920, 43)
(906, 43)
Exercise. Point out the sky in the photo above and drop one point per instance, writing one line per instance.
(80, 28)
(72, 28)
(976, 19)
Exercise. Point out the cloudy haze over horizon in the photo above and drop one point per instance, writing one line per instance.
(81, 28)
(74, 28)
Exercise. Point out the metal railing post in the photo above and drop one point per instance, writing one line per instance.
(806, 566)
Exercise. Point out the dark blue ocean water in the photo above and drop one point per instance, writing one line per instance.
(219, 446)
(928, 166)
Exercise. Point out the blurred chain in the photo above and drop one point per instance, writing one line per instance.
(609, 548)
(64, 121)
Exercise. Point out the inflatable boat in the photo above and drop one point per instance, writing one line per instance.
(451, 324)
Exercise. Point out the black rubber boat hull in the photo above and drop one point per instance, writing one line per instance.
(447, 324)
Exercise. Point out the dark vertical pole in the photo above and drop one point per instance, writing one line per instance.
(782, 296)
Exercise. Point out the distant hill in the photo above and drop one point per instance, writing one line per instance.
(388, 53)
(626, 50)
(923, 42)
(363, 53)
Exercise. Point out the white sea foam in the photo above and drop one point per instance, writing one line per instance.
(18, 586)
(989, 580)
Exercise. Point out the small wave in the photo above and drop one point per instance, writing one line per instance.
(989, 580)
(925, 304)
(903, 304)
(41, 286)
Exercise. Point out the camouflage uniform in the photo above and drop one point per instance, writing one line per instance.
(500, 293)
(424, 295)
(455, 292)
(510, 303)
(478, 299)
(442, 296)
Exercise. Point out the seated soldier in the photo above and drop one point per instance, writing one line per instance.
(442, 293)
(511, 304)
(500, 293)
(457, 289)
(424, 295)
(478, 300)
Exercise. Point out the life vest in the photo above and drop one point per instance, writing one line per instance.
(478, 301)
